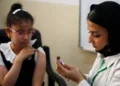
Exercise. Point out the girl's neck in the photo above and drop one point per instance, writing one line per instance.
(15, 49)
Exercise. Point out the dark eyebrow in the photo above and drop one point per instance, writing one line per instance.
(93, 32)
(18, 30)
(23, 29)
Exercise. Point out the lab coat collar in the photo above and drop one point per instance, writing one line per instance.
(110, 59)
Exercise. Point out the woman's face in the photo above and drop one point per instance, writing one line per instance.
(98, 35)
(21, 34)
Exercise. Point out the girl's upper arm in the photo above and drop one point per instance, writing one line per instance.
(41, 61)
(40, 50)
(39, 69)
(3, 72)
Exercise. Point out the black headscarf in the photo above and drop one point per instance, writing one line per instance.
(107, 15)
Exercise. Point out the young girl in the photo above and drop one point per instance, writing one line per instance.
(20, 63)
(104, 27)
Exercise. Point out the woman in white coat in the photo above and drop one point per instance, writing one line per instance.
(104, 27)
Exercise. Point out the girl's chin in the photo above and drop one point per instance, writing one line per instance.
(24, 45)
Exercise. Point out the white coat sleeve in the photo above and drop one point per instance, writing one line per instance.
(86, 75)
(83, 83)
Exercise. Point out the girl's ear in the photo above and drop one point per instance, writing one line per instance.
(8, 32)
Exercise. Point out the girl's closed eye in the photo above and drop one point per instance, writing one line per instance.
(20, 32)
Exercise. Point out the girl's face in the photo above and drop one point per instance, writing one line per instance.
(98, 35)
(20, 34)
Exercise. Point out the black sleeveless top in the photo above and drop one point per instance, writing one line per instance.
(26, 73)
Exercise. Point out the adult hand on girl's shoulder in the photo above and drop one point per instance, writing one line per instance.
(69, 72)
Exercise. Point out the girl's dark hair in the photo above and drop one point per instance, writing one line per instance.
(107, 15)
(18, 16)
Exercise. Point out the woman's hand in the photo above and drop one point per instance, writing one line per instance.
(69, 72)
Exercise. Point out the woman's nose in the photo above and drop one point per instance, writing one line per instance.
(90, 39)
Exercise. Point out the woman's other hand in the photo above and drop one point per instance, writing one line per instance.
(69, 72)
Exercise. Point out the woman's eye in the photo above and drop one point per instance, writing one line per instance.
(96, 35)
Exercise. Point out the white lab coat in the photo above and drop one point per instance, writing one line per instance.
(108, 77)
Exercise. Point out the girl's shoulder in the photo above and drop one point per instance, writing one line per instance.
(41, 50)
(4, 46)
